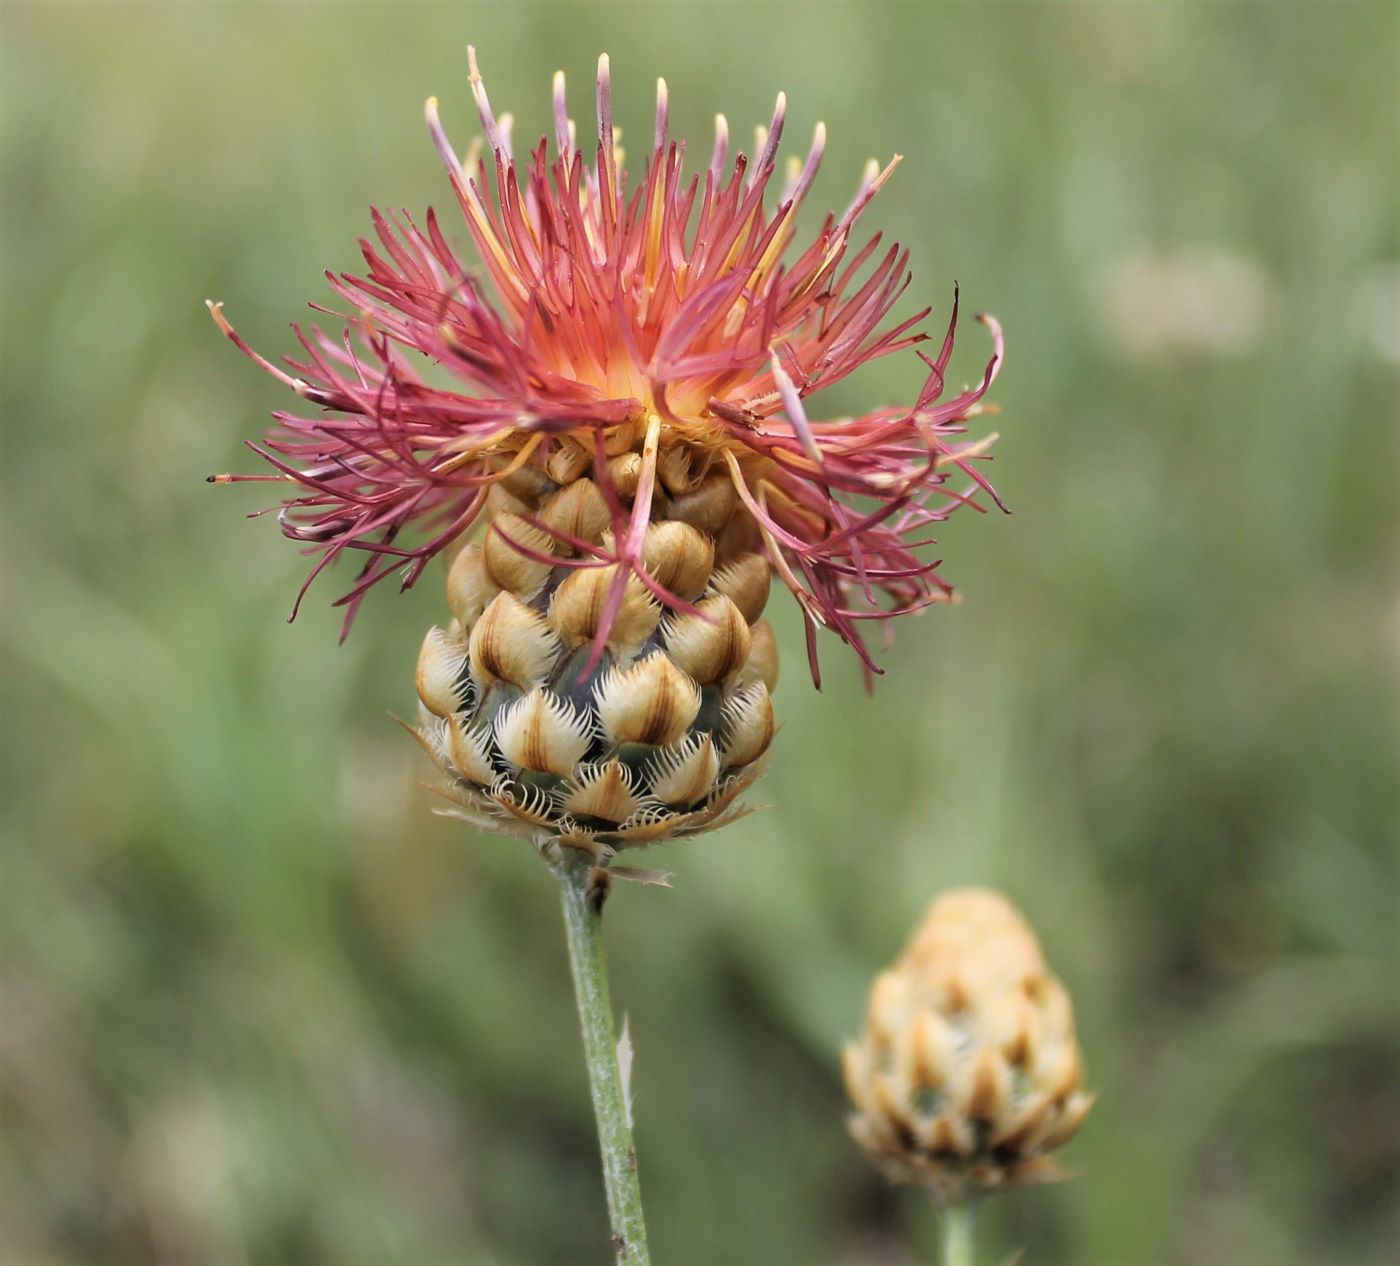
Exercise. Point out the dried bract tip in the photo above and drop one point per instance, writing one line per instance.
(568, 461)
(968, 1074)
(541, 731)
(511, 554)
(709, 505)
(749, 725)
(577, 510)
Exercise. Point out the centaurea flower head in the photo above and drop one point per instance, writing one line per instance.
(967, 1077)
(625, 407)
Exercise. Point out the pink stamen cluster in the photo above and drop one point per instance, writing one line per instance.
(616, 316)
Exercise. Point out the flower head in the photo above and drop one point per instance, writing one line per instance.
(968, 1074)
(667, 335)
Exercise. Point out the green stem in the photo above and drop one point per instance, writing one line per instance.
(584, 925)
(957, 1223)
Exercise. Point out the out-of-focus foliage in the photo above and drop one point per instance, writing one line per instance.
(258, 1005)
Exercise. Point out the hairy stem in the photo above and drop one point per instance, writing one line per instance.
(957, 1222)
(584, 925)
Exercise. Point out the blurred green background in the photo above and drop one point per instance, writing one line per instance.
(258, 1005)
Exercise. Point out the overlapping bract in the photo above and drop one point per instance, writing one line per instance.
(673, 320)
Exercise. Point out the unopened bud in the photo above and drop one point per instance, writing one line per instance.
(968, 1073)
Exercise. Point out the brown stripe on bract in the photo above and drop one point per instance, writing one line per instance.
(471, 752)
(540, 731)
(469, 588)
(578, 510)
(684, 775)
(762, 664)
(650, 702)
(506, 565)
(578, 606)
(511, 643)
(679, 557)
(712, 644)
(749, 725)
(709, 506)
(601, 791)
(747, 581)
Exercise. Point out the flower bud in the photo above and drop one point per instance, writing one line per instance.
(968, 1073)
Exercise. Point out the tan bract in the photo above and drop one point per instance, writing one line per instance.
(657, 739)
(968, 1074)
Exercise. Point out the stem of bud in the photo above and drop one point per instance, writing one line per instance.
(611, 1107)
(957, 1222)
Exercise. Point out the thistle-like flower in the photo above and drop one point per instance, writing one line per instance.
(968, 1074)
(624, 410)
